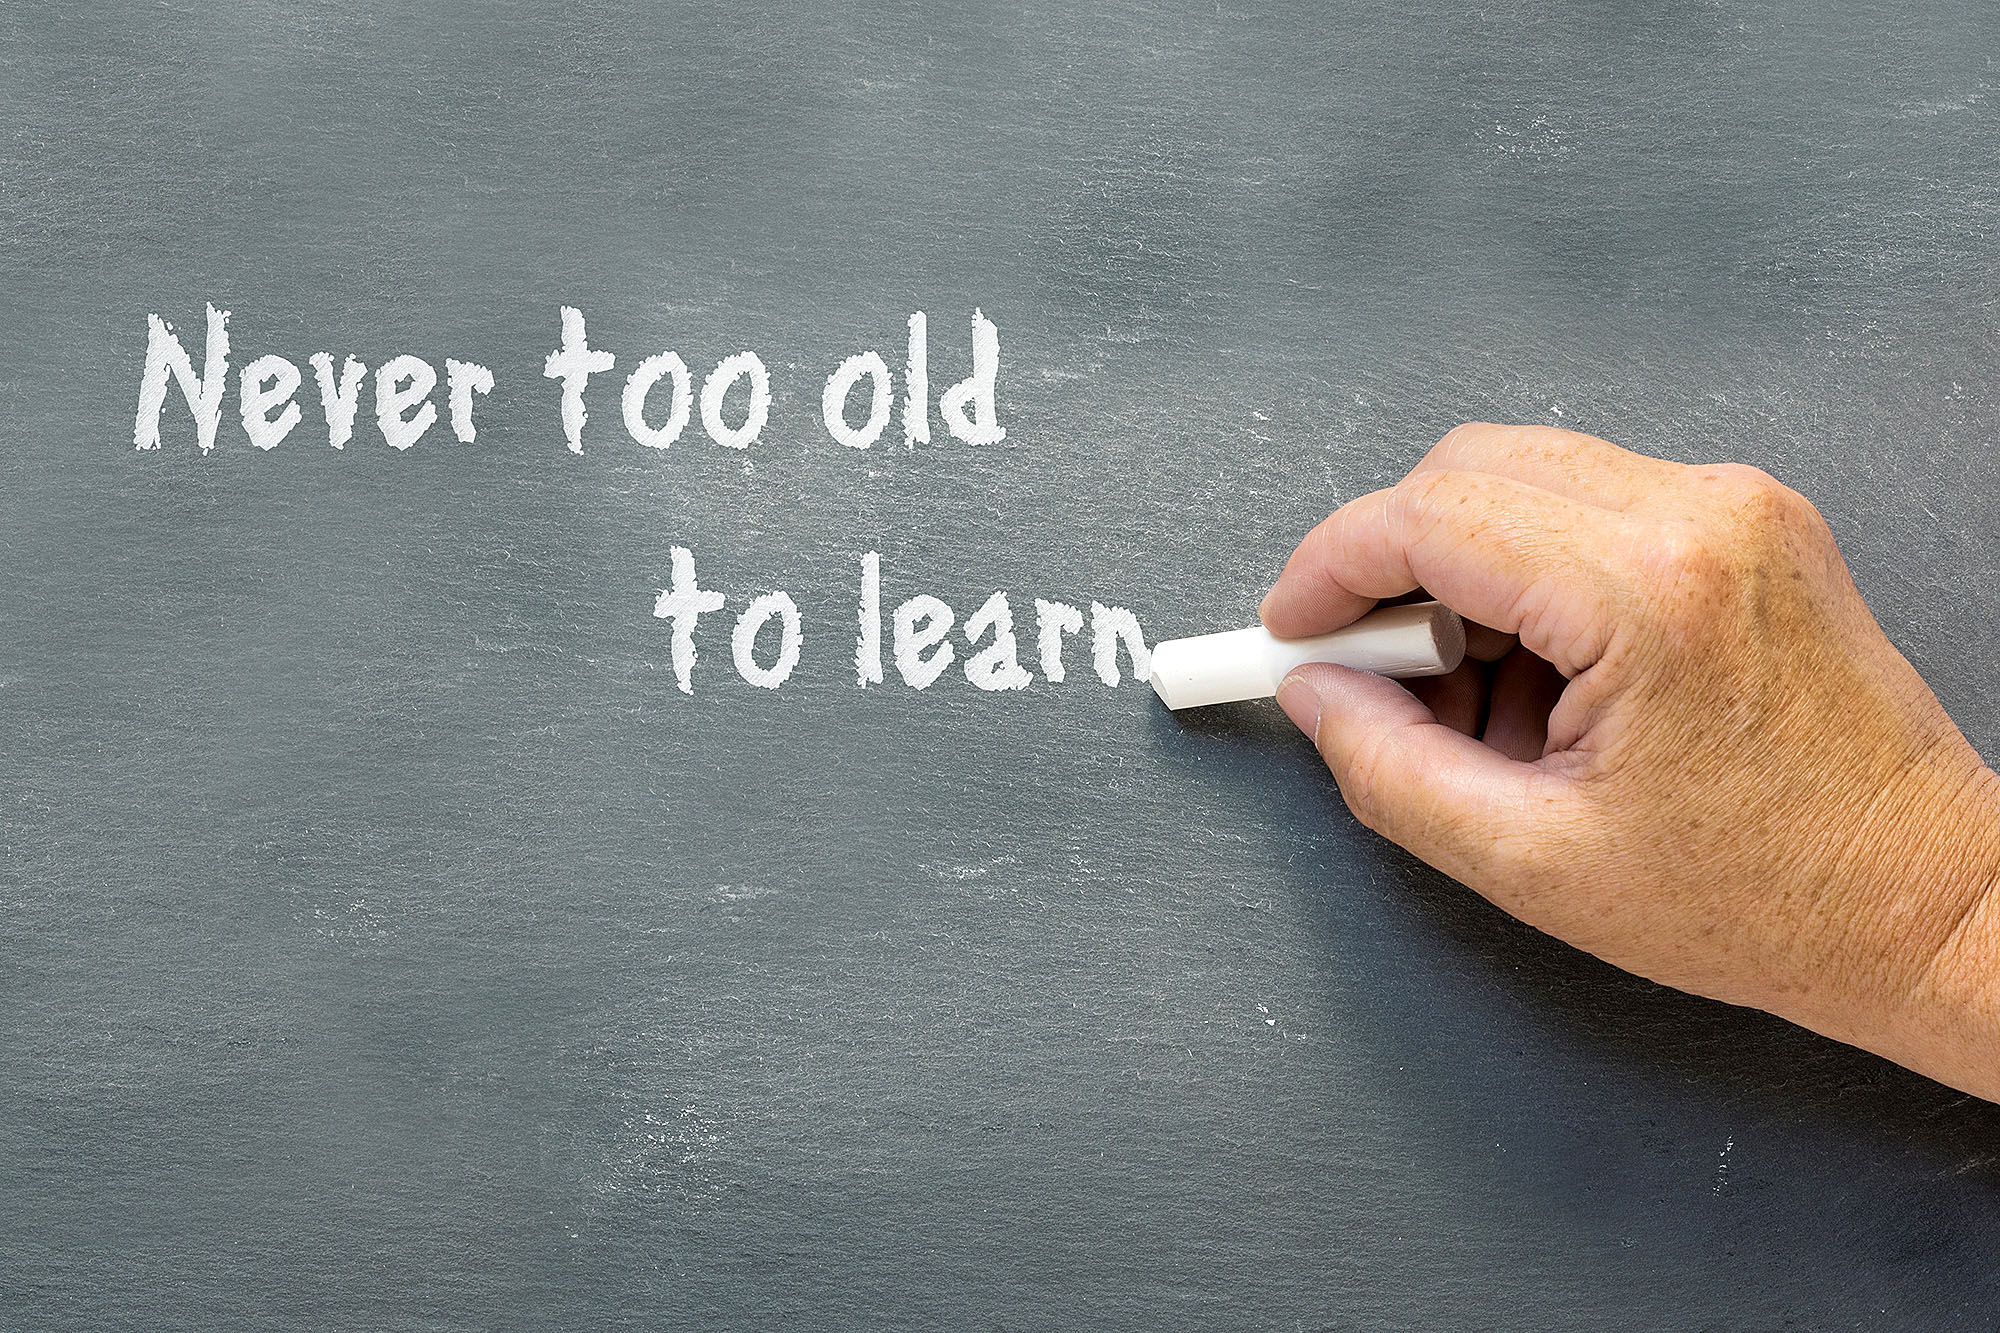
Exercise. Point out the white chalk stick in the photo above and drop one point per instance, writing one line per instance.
(1422, 639)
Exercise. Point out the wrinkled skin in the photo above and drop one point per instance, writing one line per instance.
(1684, 745)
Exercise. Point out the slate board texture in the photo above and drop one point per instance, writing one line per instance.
(386, 943)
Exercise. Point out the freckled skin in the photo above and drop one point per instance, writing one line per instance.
(1680, 740)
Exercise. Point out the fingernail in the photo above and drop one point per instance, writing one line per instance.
(1301, 705)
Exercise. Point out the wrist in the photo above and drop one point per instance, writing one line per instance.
(1950, 1019)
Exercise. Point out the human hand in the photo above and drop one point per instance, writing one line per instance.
(1680, 740)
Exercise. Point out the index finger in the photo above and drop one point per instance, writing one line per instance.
(1498, 551)
(1583, 467)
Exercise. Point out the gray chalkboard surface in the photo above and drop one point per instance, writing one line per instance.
(386, 940)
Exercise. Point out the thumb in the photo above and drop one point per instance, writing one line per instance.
(1458, 804)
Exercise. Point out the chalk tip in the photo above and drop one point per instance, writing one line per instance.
(1448, 631)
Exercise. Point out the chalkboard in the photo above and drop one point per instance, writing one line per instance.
(388, 941)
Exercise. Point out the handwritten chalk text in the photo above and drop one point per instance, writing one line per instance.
(920, 635)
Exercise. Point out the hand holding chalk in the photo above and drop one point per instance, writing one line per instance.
(1679, 740)
(1423, 639)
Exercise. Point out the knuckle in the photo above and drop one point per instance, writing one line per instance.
(1753, 524)
(1459, 443)
(1758, 500)
(1738, 479)
(1474, 441)
(1466, 433)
